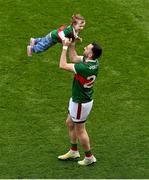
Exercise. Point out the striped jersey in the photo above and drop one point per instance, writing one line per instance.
(68, 31)
(85, 74)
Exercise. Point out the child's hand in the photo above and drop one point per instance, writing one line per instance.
(78, 39)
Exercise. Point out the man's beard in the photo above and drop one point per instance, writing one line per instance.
(84, 55)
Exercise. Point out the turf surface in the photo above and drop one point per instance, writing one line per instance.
(34, 93)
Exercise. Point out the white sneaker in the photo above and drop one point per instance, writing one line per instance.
(69, 155)
(29, 51)
(32, 41)
(87, 161)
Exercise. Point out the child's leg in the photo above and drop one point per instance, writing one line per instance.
(37, 40)
(42, 44)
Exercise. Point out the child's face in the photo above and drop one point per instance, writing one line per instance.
(79, 26)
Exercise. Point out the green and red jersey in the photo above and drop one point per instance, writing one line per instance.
(85, 74)
(68, 31)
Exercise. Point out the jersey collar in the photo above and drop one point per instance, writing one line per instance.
(88, 60)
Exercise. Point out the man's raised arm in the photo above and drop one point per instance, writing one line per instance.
(63, 58)
(73, 54)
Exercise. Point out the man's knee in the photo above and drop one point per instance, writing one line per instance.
(69, 123)
(80, 129)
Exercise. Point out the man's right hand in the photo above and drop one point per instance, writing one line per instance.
(66, 42)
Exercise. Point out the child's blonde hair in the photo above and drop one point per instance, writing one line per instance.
(76, 18)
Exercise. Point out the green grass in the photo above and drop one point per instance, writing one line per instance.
(34, 93)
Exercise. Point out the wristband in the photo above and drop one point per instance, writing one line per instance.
(65, 47)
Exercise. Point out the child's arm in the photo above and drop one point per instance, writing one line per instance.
(78, 39)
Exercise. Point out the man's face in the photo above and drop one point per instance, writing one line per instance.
(79, 25)
(88, 51)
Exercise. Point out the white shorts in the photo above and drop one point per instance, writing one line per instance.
(79, 111)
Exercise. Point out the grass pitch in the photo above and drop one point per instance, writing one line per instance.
(34, 92)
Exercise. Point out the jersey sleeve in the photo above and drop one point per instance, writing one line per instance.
(61, 35)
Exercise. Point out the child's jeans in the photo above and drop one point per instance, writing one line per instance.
(42, 44)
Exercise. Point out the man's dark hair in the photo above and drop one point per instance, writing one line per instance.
(97, 50)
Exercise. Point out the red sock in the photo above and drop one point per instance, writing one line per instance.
(74, 147)
(88, 153)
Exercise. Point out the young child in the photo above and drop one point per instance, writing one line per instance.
(38, 45)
